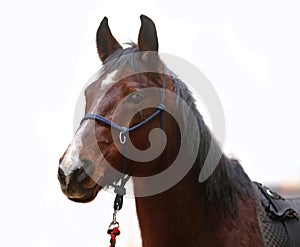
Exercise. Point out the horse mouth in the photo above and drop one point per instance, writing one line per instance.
(84, 199)
(85, 196)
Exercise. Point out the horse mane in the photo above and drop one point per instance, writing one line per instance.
(229, 182)
(120, 59)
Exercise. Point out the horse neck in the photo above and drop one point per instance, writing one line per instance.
(161, 216)
(184, 216)
(157, 213)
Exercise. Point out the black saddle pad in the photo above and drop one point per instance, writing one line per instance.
(274, 231)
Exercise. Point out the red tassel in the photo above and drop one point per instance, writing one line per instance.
(113, 233)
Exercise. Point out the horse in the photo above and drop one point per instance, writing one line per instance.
(220, 211)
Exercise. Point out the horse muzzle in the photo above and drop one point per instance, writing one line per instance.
(75, 181)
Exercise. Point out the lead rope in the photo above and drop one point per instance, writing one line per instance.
(113, 228)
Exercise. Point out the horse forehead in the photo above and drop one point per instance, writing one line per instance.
(97, 90)
(101, 84)
(109, 80)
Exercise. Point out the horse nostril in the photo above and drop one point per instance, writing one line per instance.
(85, 171)
(61, 175)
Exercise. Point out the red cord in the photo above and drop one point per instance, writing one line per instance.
(113, 233)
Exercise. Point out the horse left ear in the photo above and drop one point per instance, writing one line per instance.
(106, 42)
(147, 40)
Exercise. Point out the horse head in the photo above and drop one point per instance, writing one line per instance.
(119, 97)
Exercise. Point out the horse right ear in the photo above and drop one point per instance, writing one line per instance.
(147, 40)
(106, 42)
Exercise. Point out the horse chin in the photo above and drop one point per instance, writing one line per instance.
(86, 197)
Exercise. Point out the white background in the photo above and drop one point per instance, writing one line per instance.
(248, 50)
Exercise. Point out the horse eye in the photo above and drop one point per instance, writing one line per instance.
(136, 97)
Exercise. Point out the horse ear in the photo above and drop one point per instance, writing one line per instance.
(147, 40)
(106, 42)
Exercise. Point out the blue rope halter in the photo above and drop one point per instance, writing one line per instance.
(124, 134)
(124, 130)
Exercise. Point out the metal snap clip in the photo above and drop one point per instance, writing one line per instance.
(273, 194)
(122, 137)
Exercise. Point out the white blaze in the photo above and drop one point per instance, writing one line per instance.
(71, 160)
(108, 80)
(106, 83)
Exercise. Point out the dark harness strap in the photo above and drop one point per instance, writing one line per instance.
(279, 209)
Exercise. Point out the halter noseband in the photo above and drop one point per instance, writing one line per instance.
(124, 130)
